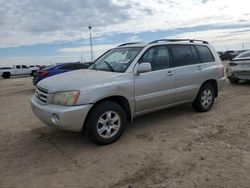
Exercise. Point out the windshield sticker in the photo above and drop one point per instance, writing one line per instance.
(124, 61)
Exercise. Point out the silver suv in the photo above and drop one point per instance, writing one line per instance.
(127, 81)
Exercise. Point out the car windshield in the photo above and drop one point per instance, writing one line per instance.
(244, 55)
(116, 60)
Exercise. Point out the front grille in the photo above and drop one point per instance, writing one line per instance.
(41, 94)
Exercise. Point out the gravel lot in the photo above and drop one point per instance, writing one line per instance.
(171, 148)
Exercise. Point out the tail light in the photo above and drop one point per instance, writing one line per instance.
(223, 71)
(43, 73)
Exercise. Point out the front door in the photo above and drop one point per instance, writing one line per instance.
(155, 89)
(18, 69)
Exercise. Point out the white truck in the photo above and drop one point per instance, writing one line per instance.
(15, 71)
(34, 68)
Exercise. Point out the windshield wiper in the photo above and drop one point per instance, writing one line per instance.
(109, 65)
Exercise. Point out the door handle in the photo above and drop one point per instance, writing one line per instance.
(200, 68)
(170, 73)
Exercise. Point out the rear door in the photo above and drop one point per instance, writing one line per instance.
(60, 69)
(155, 89)
(194, 65)
(187, 81)
(25, 70)
(68, 67)
(207, 66)
(18, 70)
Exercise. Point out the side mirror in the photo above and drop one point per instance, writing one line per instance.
(144, 67)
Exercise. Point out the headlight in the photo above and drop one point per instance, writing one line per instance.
(67, 98)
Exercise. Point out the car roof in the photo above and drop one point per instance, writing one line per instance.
(163, 41)
(139, 45)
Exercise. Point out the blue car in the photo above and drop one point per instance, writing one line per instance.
(58, 69)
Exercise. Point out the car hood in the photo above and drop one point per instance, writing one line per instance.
(78, 80)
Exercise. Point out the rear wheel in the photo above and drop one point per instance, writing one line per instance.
(233, 80)
(6, 75)
(205, 98)
(106, 123)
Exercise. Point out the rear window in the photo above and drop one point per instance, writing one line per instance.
(195, 54)
(205, 54)
(182, 55)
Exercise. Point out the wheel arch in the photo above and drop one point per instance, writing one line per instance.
(121, 100)
(6, 74)
(214, 85)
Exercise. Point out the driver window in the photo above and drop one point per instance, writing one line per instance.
(157, 56)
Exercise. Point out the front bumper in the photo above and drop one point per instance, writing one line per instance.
(63, 117)
(36, 80)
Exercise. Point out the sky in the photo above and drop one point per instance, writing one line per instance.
(51, 31)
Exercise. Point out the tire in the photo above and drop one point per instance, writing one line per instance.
(6, 75)
(205, 98)
(233, 80)
(100, 126)
(32, 73)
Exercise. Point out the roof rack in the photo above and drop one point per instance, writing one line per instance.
(129, 43)
(178, 40)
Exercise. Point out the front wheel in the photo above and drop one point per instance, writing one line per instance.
(32, 73)
(106, 123)
(205, 98)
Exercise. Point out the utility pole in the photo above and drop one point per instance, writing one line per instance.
(90, 42)
(243, 46)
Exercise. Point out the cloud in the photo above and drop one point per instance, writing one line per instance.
(205, 1)
(87, 48)
(29, 22)
(33, 21)
(134, 38)
(219, 38)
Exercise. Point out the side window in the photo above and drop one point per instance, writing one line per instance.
(195, 54)
(158, 56)
(182, 55)
(205, 54)
(24, 67)
(18, 67)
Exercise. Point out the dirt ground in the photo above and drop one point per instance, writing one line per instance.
(171, 148)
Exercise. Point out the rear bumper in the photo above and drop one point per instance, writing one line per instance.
(63, 117)
(221, 83)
